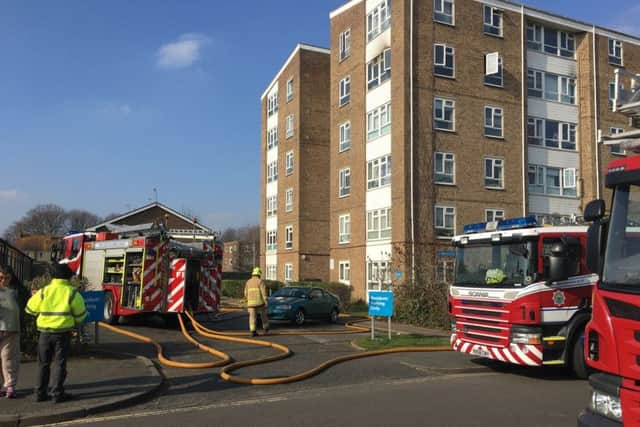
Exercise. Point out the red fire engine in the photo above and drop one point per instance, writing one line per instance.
(613, 334)
(521, 293)
(146, 271)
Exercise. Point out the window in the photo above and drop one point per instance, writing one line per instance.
(551, 87)
(616, 149)
(271, 272)
(345, 182)
(288, 237)
(552, 181)
(378, 275)
(289, 126)
(345, 136)
(272, 171)
(493, 215)
(345, 44)
(559, 43)
(534, 36)
(272, 138)
(288, 200)
(443, 60)
(379, 172)
(288, 272)
(345, 90)
(444, 114)
(551, 134)
(497, 78)
(344, 225)
(379, 69)
(289, 163)
(492, 21)
(493, 173)
(379, 224)
(272, 242)
(272, 104)
(444, 168)
(615, 52)
(289, 89)
(379, 19)
(493, 121)
(567, 44)
(272, 205)
(344, 275)
(445, 221)
(443, 11)
(379, 121)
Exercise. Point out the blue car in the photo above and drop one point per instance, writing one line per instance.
(297, 304)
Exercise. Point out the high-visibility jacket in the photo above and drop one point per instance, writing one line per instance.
(59, 307)
(255, 292)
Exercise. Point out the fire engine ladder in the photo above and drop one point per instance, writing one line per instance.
(627, 102)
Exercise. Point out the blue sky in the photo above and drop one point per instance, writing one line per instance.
(103, 101)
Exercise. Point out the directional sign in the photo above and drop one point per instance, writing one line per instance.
(94, 302)
(381, 303)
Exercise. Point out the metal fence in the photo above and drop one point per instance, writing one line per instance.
(21, 264)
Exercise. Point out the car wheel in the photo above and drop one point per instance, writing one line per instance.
(109, 309)
(333, 317)
(299, 319)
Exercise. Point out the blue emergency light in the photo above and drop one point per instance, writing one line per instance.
(505, 224)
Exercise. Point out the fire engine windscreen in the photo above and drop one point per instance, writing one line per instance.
(505, 265)
(622, 259)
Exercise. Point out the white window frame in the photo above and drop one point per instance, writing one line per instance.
(446, 105)
(493, 122)
(271, 241)
(378, 275)
(378, 20)
(439, 12)
(379, 121)
(563, 43)
(535, 90)
(566, 134)
(490, 27)
(288, 272)
(538, 126)
(496, 79)
(564, 86)
(271, 272)
(345, 91)
(379, 69)
(272, 138)
(290, 89)
(272, 206)
(616, 149)
(288, 237)
(616, 52)
(272, 104)
(288, 163)
(441, 68)
(379, 224)
(344, 272)
(344, 44)
(345, 136)
(272, 171)
(493, 214)
(440, 162)
(496, 173)
(534, 36)
(344, 182)
(567, 181)
(289, 126)
(288, 200)
(441, 214)
(379, 172)
(344, 229)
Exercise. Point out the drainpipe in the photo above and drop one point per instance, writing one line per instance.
(413, 235)
(524, 122)
(595, 113)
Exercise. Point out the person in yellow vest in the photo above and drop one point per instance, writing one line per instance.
(256, 296)
(59, 308)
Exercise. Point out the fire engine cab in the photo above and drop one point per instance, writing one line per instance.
(143, 271)
(521, 293)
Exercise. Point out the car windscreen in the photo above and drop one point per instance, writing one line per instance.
(289, 292)
(499, 265)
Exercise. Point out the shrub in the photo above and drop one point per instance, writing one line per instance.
(233, 288)
(424, 304)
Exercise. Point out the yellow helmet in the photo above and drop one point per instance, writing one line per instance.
(256, 272)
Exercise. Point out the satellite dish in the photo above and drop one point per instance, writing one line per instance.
(491, 63)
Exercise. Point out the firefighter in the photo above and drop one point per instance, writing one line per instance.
(256, 296)
(59, 309)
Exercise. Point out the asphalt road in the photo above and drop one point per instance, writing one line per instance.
(400, 389)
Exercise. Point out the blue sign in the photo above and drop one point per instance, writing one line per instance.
(398, 274)
(381, 303)
(94, 302)
(446, 253)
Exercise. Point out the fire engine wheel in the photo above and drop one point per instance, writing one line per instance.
(578, 362)
(109, 308)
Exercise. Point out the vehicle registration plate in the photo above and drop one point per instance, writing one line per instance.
(481, 351)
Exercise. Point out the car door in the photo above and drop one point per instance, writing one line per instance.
(315, 304)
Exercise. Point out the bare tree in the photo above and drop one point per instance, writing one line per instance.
(249, 233)
(80, 220)
(229, 235)
(112, 216)
(48, 219)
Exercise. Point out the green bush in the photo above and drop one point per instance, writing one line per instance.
(233, 288)
(424, 304)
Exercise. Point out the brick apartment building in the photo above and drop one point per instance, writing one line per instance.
(466, 146)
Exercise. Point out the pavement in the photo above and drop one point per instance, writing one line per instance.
(99, 381)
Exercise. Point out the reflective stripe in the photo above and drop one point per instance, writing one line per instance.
(56, 313)
(81, 314)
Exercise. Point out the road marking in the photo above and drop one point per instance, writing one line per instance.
(222, 405)
(317, 338)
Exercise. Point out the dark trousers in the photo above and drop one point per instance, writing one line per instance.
(55, 347)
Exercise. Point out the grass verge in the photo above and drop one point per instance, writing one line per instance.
(409, 340)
